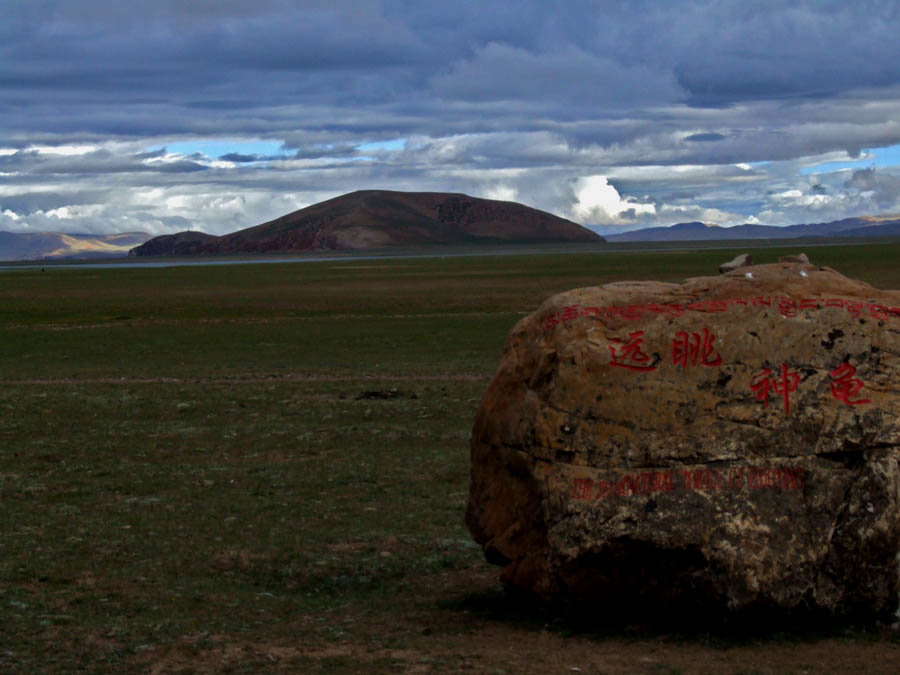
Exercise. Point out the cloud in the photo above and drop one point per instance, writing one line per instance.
(884, 188)
(705, 137)
(504, 193)
(833, 196)
(605, 112)
(598, 202)
(238, 158)
(568, 77)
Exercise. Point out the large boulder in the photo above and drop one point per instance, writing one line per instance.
(743, 260)
(723, 448)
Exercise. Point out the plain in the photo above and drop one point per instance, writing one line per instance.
(264, 468)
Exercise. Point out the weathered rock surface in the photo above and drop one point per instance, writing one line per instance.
(743, 260)
(799, 258)
(727, 446)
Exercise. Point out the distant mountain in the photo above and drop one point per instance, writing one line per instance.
(185, 243)
(382, 218)
(60, 246)
(864, 226)
(886, 229)
(693, 231)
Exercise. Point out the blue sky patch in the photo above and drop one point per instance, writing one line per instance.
(216, 148)
(376, 146)
(870, 157)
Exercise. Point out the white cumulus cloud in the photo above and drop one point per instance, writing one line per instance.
(598, 202)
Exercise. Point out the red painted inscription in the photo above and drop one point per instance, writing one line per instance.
(777, 478)
(632, 484)
(787, 307)
(844, 387)
(628, 353)
(702, 479)
(690, 480)
(698, 348)
(695, 349)
(784, 384)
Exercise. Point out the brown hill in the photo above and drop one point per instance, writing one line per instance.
(185, 243)
(382, 218)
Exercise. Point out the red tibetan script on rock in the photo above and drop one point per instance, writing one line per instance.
(844, 386)
(784, 384)
(788, 307)
(628, 354)
(695, 349)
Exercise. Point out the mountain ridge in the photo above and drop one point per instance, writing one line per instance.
(368, 219)
(455, 216)
(65, 246)
(859, 226)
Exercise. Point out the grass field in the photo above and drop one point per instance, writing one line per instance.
(259, 468)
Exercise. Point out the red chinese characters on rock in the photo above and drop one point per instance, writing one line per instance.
(695, 349)
(698, 348)
(688, 349)
(845, 387)
(628, 353)
(785, 384)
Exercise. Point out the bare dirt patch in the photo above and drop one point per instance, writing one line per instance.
(506, 649)
(482, 633)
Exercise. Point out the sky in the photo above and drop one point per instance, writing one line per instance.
(216, 115)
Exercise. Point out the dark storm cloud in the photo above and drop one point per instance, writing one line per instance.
(568, 77)
(704, 138)
(518, 100)
(169, 58)
(789, 50)
(884, 189)
(238, 158)
(25, 163)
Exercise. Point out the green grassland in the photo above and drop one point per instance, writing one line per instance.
(264, 467)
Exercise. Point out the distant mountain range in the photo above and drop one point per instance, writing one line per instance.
(60, 246)
(381, 218)
(864, 226)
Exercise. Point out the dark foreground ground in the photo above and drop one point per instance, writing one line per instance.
(263, 468)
